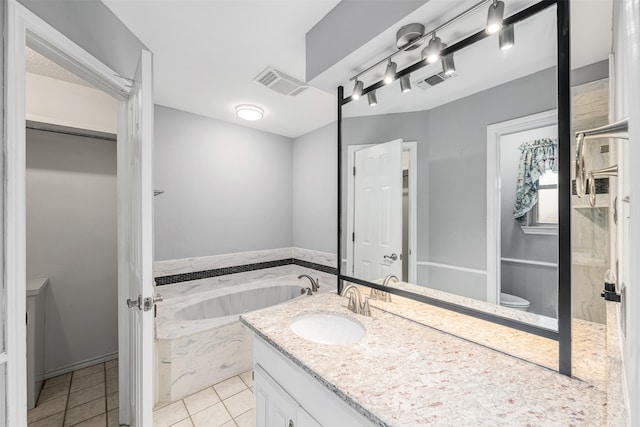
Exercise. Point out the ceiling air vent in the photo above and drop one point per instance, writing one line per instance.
(433, 80)
(281, 82)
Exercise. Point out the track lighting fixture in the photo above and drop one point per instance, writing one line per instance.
(373, 99)
(357, 90)
(390, 73)
(448, 64)
(431, 53)
(494, 17)
(405, 83)
(506, 37)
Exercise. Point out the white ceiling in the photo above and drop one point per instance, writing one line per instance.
(38, 64)
(207, 53)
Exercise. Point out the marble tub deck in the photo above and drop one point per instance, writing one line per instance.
(404, 373)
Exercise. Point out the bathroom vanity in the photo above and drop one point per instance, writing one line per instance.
(401, 373)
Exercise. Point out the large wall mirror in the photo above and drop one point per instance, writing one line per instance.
(450, 175)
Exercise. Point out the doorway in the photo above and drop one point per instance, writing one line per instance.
(134, 218)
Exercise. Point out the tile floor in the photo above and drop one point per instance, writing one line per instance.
(229, 403)
(89, 398)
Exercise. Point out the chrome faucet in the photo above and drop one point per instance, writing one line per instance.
(382, 295)
(315, 285)
(355, 301)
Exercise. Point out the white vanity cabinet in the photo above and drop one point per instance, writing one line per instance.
(287, 396)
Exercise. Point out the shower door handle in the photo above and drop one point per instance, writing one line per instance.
(135, 303)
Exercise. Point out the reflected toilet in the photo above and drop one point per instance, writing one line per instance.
(512, 301)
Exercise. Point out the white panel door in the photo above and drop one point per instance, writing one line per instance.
(377, 240)
(135, 247)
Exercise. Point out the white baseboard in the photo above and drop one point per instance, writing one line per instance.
(79, 365)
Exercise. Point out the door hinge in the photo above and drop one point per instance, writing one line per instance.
(353, 237)
(354, 171)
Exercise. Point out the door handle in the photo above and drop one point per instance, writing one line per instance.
(392, 257)
(145, 304)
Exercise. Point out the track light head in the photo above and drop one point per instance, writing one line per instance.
(357, 90)
(494, 17)
(506, 38)
(390, 73)
(431, 53)
(373, 99)
(448, 64)
(405, 83)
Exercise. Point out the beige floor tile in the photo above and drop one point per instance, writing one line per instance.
(248, 419)
(112, 385)
(213, 416)
(88, 394)
(228, 388)
(47, 409)
(55, 420)
(87, 381)
(201, 400)
(65, 378)
(247, 378)
(111, 363)
(52, 392)
(170, 414)
(239, 403)
(229, 423)
(99, 421)
(113, 401)
(89, 370)
(113, 418)
(85, 411)
(184, 423)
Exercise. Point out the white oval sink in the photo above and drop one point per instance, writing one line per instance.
(325, 328)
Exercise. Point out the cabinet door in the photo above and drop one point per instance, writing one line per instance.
(304, 419)
(274, 407)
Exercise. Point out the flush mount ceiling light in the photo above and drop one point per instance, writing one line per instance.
(390, 73)
(494, 17)
(448, 64)
(405, 83)
(249, 112)
(431, 53)
(373, 99)
(506, 38)
(357, 90)
(409, 37)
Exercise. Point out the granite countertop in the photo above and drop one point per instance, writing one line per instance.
(406, 374)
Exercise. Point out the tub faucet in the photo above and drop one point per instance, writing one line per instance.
(382, 295)
(355, 301)
(314, 283)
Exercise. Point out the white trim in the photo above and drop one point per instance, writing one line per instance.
(3, 358)
(494, 133)
(530, 262)
(79, 365)
(543, 230)
(451, 267)
(412, 147)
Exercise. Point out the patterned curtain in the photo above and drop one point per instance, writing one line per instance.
(536, 157)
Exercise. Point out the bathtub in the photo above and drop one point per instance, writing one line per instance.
(199, 338)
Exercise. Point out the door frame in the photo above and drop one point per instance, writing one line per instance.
(24, 28)
(494, 133)
(412, 148)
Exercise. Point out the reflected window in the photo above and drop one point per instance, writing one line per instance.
(546, 210)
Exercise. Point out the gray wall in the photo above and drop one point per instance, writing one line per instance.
(71, 238)
(228, 188)
(91, 25)
(314, 190)
(335, 36)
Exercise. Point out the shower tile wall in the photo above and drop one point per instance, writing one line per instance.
(590, 234)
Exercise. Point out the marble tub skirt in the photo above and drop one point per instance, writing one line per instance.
(200, 340)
